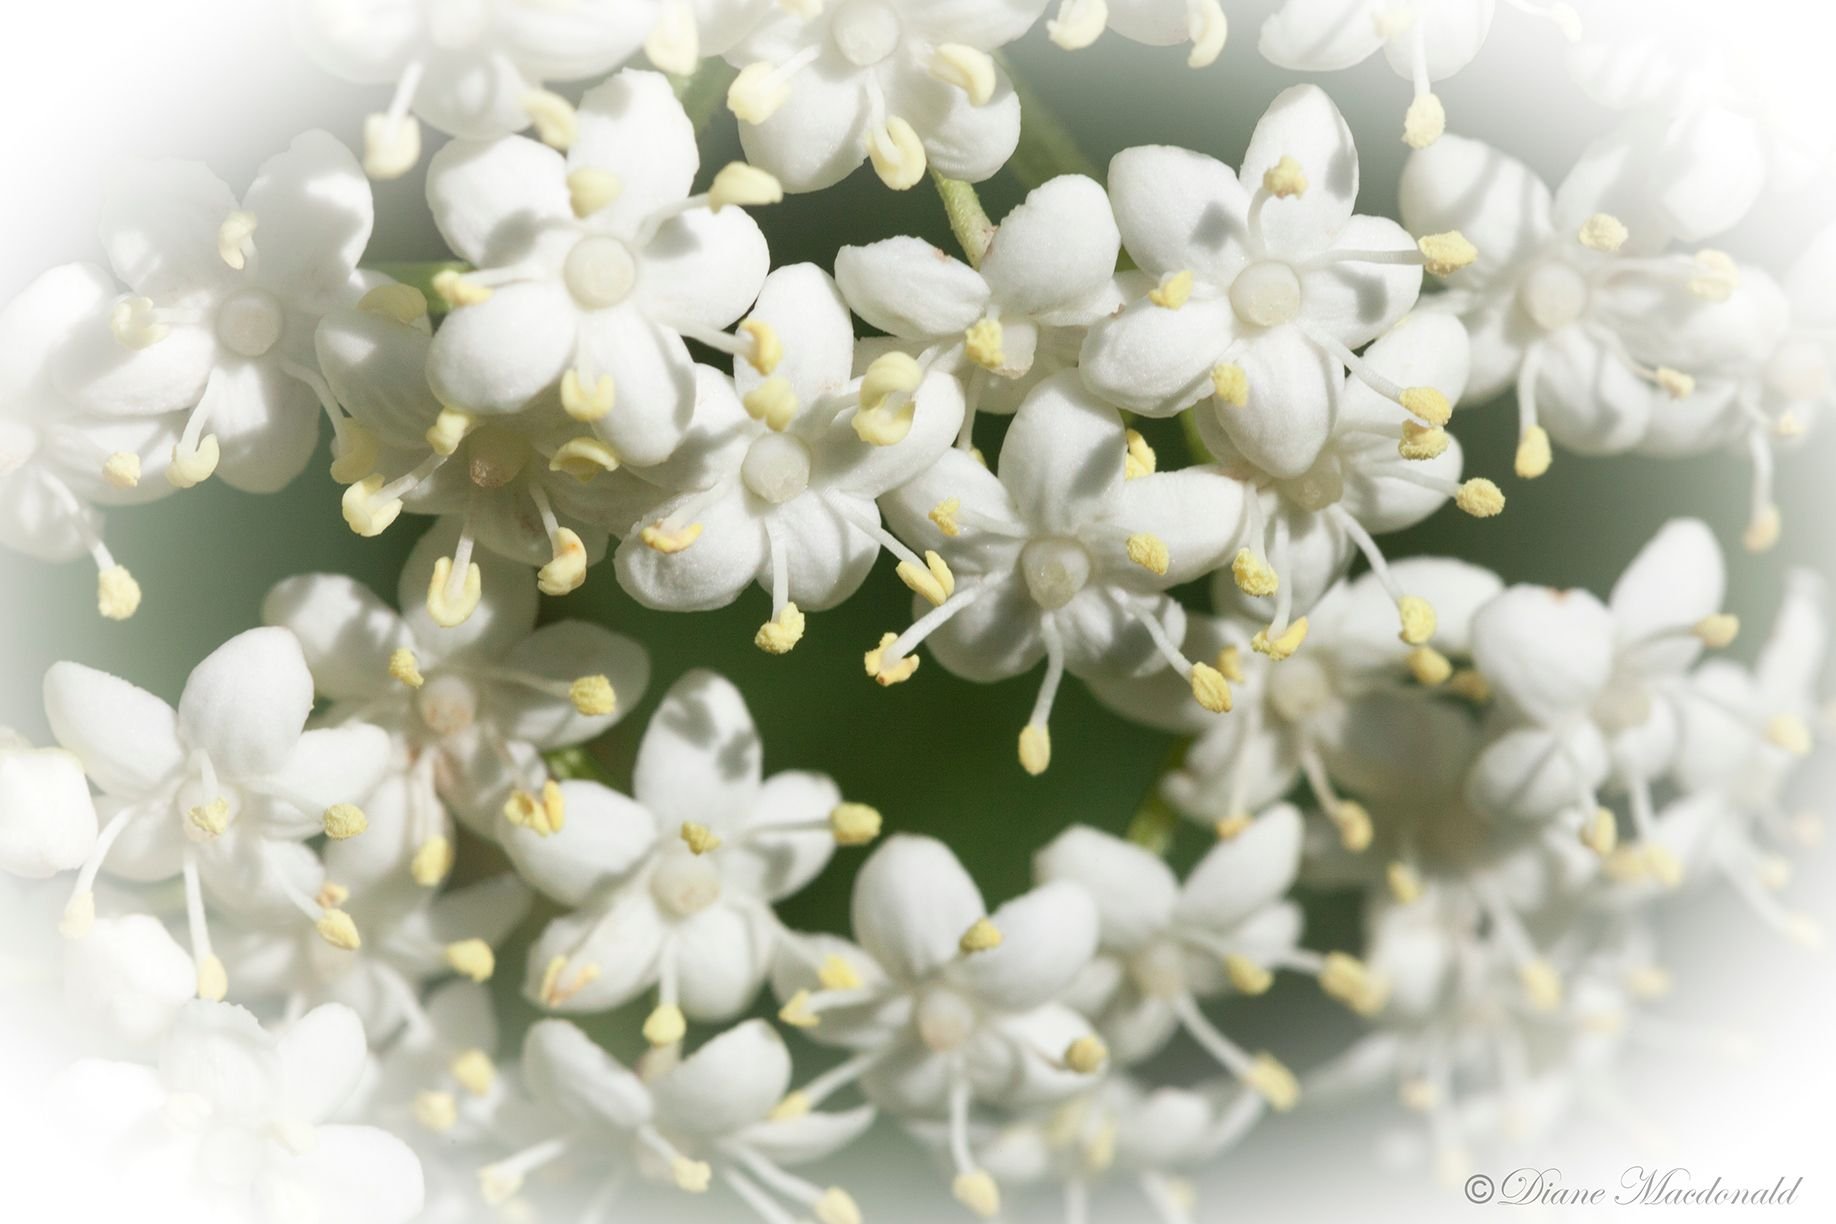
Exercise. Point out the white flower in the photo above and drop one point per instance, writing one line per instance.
(946, 1003)
(224, 297)
(1018, 316)
(129, 973)
(673, 889)
(439, 1083)
(47, 818)
(1061, 558)
(222, 791)
(594, 269)
(234, 1121)
(1266, 283)
(470, 708)
(906, 84)
(1158, 23)
(780, 489)
(1424, 42)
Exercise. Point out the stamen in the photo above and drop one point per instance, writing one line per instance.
(982, 936)
(593, 696)
(674, 45)
(1246, 976)
(1174, 290)
(897, 154)
(343, 821)
(473, 958)
(556, 124)
(1140, 461)
(774, 402)
(966, 68)
(1404, 883)
(782, 632)
(854, 824)
(433, 860)
(665, 1026)
(589, 190)
(1147, 550)
(1230, 384)
(1425, 119)
(566, 570)
(235, 239)
(457, 289)
(450, 607)
(746, 186)
(1078, 24)
(1602, 232)
(474, 1071)
(392, 138)
(1282, 645)
(336, 928)
(1207, 30)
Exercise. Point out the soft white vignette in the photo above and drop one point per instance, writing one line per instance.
(89, 82)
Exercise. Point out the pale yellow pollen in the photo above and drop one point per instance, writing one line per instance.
(767, 351)
(1174, 290)
(1234, 825)
(1350, 981)
(1285, 179)
(584, 403)
(1719, 275)
(566, 570)
(1230, 384)
(691, 1176)
(79, 915)
(1427, 403)
(1763, 532)
(774, 402)
(364, 514)
(780, 635)
(699, 838)
(403, 303)
(497, 1185)
(757, 92)
(1253, 575)
(344, 820)
(1789, 425)
(1429, 667)
(554, 991)
(583, 458)
(889, 674)
(474, 1071)
(433, 859)
(336, 928)
(796, 1012)
(213, 979)
(1417, 1093)
(1246, 976)
(1353, 821)
(1600, 832)
(1542, 984)
(794, 1105)
(1533, 453)
(1480, 498)
(449, 611)
(189, 469)
(543, 815)
(1424, 121)
(1148, 551)
(1445, 254)
(1717, 631)
(1035, 748)
(472, 958)
(935, 582)
(593, 696)
(1086, 1055)
(117, 594)
(122, 469)
(1420, 443)
(837, 1206)
(897, 154)
(1230, 664)
(969, 69)
(977, 1191)
(437, 1111)
(1405, 884)
(331, 895)
(1274, 1081)
(1675, 383)
(1469, 685)
(458, 290)
(449, 430)
(984, 341)
(404, 668)
(1418, 619)
(854, 824)
(232, 236)
(135, 324)
(1140, 460)
(746, 186)
(836, 973)
(1649, 982)
(1284, 644)
(208, 820)
(1210, 689)
(1078, 25)
(982, 936)
(1791, 733)
(556, 124)
(1625, 864)
(669, 541)
(1602, 232)
(665, 1026)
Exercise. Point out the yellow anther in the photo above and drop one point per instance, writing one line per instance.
(1230, 664)
(1140, 459)
(1246, 976)
(1445, 254)
(982, 936)
(837, 1206)
(213, 979)
(836, 973)
(365, 515)
(691, 1176)
(437, 1111)
(458, 290)
(1285, 178)
(566, 570)
(757, 92)
(472, 958)
(391, 145)
(1480, 498)
(699, 838)
(984, 341)
(1719, 276)
(233, 237)
(796, 1012)
(583, 458)
(665, 1026)
(556, 992)
(1418, 1093)
(543, 815)
(1602, 232)
(404, 668)
(774, 402)
(1468, 685)
(1426, 403)
(935, 582)
(1675, 383)
(1234, 825)
(889, 674)
(1424, 121)
(117, 594)
(794, 1105)
(448, 609)
(1533, 454)
(1148, 551)
(1763, 532)
(556, 124)
(1210, 689)
(122, 470)
(746, 186)
(1086, 1055)
(897, 154)
(669, 540)
(1789, 425)
(977, 1191)
(1353, 821)
(781, 634)
(1649, 982)
(967, 68)
(1350, 981)
(1174, 290)
(1542, 984)
(403, 303)
(1283, 645)
(1276, 1084)
(207, 820)
(1035, 748)
(1230, 384)
(884, 426)
(854, 824)
(943, 514)
(433, 859)
(498, 1185)
(135, 324)
(344, 820)
(1791, 733)
(1429, 667)
(449, 430)
(474, 1071)
(336, 928)
(193, 467)
(331, 895)
(1253, 575)
(1420, 443)
(1418, 619)
(1717, 631)
(593, 696)
(767, 350)
(584, 403)
(1405, 884)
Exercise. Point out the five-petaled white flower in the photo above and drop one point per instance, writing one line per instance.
(1158, 23)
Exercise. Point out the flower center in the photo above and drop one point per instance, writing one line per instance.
(1553, 295)
(447, 704)
(599, 272)
(495, 456)
(865, 32)
(455, 24)
(1319, 486)
(777, 468)
(1299, 688)
(1159, 970)
(686, 883)
(250, 323)
(1266, 293)
(1055, 571)
(945, 1019)
(1797, 371)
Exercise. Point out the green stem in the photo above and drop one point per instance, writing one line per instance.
(968, 219)
(1195, 445)
(575, 765)
(1047, 148)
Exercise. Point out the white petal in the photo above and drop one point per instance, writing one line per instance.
(247, 702)
(313, 206)
(564, 1066)
(654, 375)
(1451, 38)
(327, 765)
(131, 972)
(704, 268)
(1546, 652)
(721, 956)
(1047, 936)
(961, 140)
(910, 288)
(219, 1051)
(1239, 876)
(632, 126)
(47, 819)
(494, 200)
(1320, 35)
(710, 573)
(346, 633)
(1058, 246)
(699, 760)
(625, 938)
(1063, 456)
(1302, 123)
(566, 650)
(1676, 579)
(730, 1082)
(505, 614)
(266, 422)
(322, 1058)
(377, 368)
(498, 355)
(1294, 388)
(912, 904)
(159, 222)
(1197, 514)
(811, 1136)
(1495, 200)
(1357, 302)
(774, 864)
(1156, 361)
(1179, 210)
(1134, 891)
(126, 738)
(806, 309)
(604, 837)
(360, 1174)
(818, 137)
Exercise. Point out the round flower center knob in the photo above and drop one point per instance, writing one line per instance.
(1055, 571)
(945, 1020)
(447, 704)
(1797, 371)
(250, 323)
(777, 468)
(600, 272)
(686, 883)
(1159, 971)
(1554, 295)
(865, 32)
(453, 25)
(1299, 688)
(1266, 293)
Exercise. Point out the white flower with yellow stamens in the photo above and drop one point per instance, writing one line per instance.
(235, 1120)
(1157, 23)
(673, 889)
(470, 708)
(595, 268)
(909, 85)
(438, 1084)
(221, 791)
(129, 974)
(1268, 282)
(779, 487)
(1061, 558)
